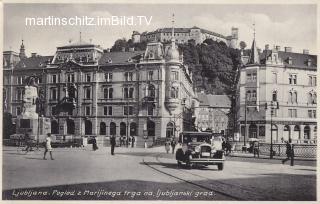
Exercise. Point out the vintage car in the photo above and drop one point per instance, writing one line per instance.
(200, 148)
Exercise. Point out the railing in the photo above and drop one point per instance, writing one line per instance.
(300, 150)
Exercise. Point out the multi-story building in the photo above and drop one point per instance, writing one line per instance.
(281, 82)
(182, 35)
(143, 94)
(213, 113)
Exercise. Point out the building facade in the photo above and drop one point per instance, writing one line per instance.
(182, 35)
(145, 94)
(214, 113)
(277, 95)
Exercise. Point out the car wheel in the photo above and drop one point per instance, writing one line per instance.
(220, 167)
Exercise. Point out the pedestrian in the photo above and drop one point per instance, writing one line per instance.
(228, 148)
(167, 146)
(224, 146)
(173, 145)
(120, 141)
(94, 144)
(289, 152)
(48, 147)
(27, 140)
(256, 148)
(112, 143)
(133, 139)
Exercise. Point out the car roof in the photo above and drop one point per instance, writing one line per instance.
(191, 133)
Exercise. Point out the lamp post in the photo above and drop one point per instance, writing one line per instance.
(273, 105)
(245, 119)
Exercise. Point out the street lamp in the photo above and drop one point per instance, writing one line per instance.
(273, 105)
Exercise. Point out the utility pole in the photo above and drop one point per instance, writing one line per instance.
(245, 119)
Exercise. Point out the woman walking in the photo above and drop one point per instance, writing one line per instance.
(48, 147)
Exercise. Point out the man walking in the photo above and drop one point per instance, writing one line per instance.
(133, 139)
(48, 147)
(112, 143)
(289, 152)
(173, 145)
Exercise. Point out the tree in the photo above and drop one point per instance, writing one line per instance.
(118, 45)
(8, 126)
(243, 45)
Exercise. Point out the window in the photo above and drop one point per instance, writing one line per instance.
(108, 77)
(54, 78)
(312, 98)
(18, 111)
(150, 75)
(248, 96)
(108, 93)
(312, 81)
(88, 78)
(293, 79)
(70, 78)
(19, 94)
(128, 110)
(292, 113)
(274, 96)
(310, 113)
(87, 110)
(254, 95)
(150, 110)
(53, 94)
(254, 76)
(19, 79)
(107, 110)
(314, 113)
(174, 92)
(128, 76)
(274, 78)
(87, 92)
(174, 75)
(128, 92)
(293, 97)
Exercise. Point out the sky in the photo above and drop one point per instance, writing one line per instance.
(284, 25)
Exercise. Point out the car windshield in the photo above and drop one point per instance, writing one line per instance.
(196, 138)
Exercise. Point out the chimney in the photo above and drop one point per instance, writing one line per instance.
(288, 49)
(277, 47)
(305, 51)
(131, 49)
(123, 49)
(34, 54)
(266, 47)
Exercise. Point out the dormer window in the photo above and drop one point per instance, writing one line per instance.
(109, 61)
(129, 60)
(290, 60)
(151, 55)
(309, 62)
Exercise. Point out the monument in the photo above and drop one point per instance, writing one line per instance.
(31, 120)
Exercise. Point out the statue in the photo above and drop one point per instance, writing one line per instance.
(30, 98)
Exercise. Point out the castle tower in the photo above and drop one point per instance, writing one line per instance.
(234, 37)
(172, 100)
(22, 53)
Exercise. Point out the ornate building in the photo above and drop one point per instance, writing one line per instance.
(281, 83)
(214, 113)
(182, 35)
(91, 91)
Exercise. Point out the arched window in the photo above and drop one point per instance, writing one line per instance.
(306, 132)
(133, 129)
(70, 127)
(123, 129)
(274, 96)
(294, 97)
(103, 127)
(54, 127)
(248, 96)
(170, 130)
(151, 91)
(151, 127)
(88, 127)
(113, 128)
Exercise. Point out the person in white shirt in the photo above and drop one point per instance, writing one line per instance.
(48, 147)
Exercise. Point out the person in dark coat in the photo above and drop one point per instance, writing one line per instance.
(289, 153)
(94, 144)
(256, 148)
(112, 143)
(173, 145)
(133, 141)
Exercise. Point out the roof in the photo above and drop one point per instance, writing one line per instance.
(254, 55)
(78, 44)
(214, 101)
(299, 60)
(119, 57)
(34, 62)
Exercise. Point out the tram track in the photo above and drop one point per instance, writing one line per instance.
(188, 181)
